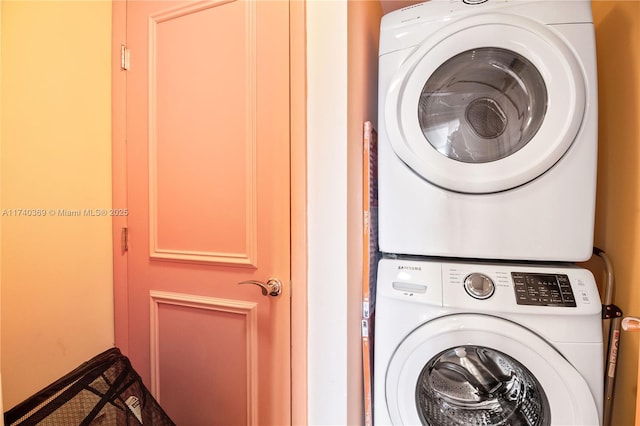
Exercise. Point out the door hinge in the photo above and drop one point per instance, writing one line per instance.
(124, 239)
(124, 57)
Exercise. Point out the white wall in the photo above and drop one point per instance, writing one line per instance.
(327, 211)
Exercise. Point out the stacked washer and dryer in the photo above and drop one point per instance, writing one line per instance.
(486, 179)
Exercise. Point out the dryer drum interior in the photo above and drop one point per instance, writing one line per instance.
(477, 385)
(482, 105)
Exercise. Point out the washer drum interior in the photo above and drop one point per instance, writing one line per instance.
(474, 385)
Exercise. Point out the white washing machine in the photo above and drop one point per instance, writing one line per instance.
(488, 130)
(487, 344)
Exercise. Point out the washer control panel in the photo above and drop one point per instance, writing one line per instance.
(506, 287)
(541, 289)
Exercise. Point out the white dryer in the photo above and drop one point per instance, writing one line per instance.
(487, 344)
(488, 130)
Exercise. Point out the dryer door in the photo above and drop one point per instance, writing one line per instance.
(486, 104)
(478, 369)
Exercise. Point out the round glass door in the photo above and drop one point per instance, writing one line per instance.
(474, 369)
(485, 104)
(482, 105)
(477, 385)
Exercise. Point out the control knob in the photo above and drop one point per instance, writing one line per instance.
(479, 286)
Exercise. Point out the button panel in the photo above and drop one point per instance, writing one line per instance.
(543, 289)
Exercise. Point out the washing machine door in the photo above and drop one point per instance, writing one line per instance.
(486, 104)
(482, 370)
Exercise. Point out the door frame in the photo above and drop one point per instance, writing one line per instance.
(298, 173)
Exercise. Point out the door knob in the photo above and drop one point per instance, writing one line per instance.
(273, 287)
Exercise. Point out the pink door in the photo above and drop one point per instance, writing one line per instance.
(207, 192)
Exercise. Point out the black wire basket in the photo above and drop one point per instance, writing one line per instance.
(103, 391)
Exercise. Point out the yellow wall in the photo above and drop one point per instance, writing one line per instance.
(55, 154)
(617, 25)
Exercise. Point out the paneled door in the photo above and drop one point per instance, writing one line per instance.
(208, 192)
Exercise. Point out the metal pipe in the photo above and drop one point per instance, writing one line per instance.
(608, 268)
(613, 313)
(610, 372)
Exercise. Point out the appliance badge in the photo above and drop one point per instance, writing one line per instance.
(409, 268)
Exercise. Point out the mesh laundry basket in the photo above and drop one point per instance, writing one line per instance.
(105, 390)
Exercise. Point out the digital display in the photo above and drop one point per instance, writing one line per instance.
(543, 289)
